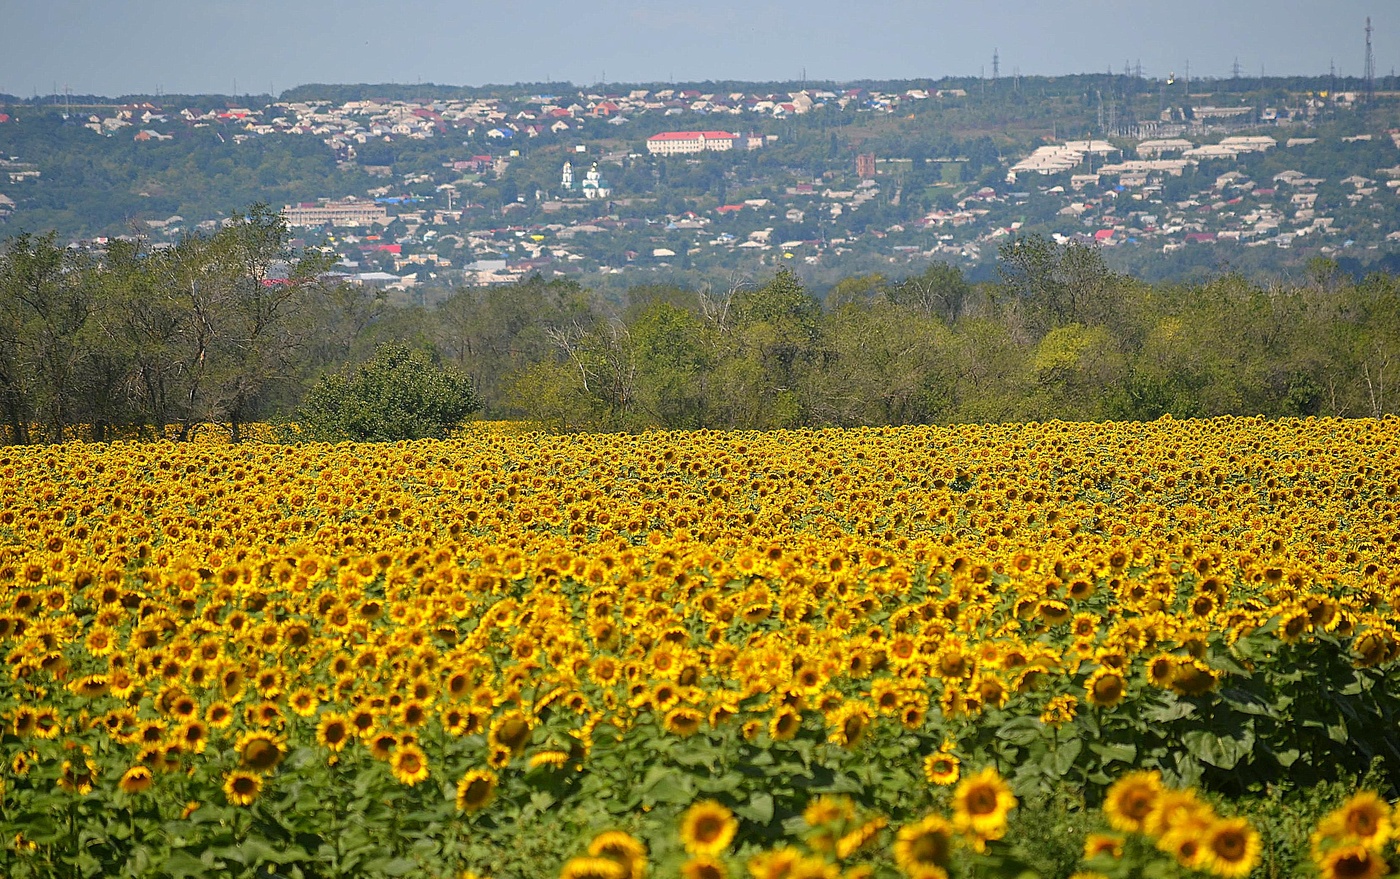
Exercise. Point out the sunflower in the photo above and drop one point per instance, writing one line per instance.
(382, 744)
(303, 702)
(1055, 612)
(704, 867)
(1352, 862)
(47, 723)
(1174, 809)
(827, 808)
(1161, 670)
(362, 721)
(78, 776)
(23, 722)
(193, 736)
(1373, 647)
(1231, 848)
(775, 864)
(981, 803)
(683, 721)
(1131, 799)
(90, 686)
(941, 768)
(623, 847)
(1186, 844)
(136, 779)
(476, 790)
(1364, 818)
(498, 757)
(784, 724)
(848, 844)
(413, 713)
(924, 845)
(1105, 688)
(241, 788)
(592, 867)
(553, 759)
(409, 764)
(332, 731)
(510, 732)
(260, 751)
(849, 725)
(707, 828)
(1060, 710)
(1102, 845)
(1194, 678)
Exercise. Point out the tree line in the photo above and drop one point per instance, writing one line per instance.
(1056, 336)
(233, 327)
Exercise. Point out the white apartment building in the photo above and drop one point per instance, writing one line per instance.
(674, 143)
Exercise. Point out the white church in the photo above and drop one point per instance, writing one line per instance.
(592, 187)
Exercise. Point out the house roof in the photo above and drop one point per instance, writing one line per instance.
(692, 135)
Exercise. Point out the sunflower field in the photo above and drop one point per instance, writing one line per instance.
(1045, 650)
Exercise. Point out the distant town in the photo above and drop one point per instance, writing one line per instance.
(486, 189)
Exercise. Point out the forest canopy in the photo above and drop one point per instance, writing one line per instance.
(236, 327)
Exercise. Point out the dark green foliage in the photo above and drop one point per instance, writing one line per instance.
(400, 394)
(139, 341)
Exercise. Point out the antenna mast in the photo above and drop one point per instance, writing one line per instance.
(1370, 65)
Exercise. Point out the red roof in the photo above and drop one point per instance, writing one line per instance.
(692, 135)
(1103, 234)
(729, 208)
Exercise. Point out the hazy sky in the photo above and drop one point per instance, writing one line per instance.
(117, 47)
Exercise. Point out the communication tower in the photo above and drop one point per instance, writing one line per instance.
(1370, 65)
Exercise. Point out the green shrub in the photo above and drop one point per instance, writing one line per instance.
(399, 394)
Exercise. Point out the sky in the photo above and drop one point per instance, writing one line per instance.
(117, 47)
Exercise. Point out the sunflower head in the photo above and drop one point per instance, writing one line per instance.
(511, 732)
(622, 847)
(828, 808)
(1365, 818)
(475, 790)
(1351, 862)
(1194, 678)
(707, 828)
(941, 768)
(333, 731)
(683, 721)
(409, 764)
(1131, 799)
(136, 779)
(924, 846)
(1231, 848)
(260, 751)
(242, 788)
(785, 724)
(981, 803)
(592, 867)
(1105, 688)
(1161, 670)
(704, 867)
(1102, 845)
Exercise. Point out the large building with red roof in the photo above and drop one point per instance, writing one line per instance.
(674, 143)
